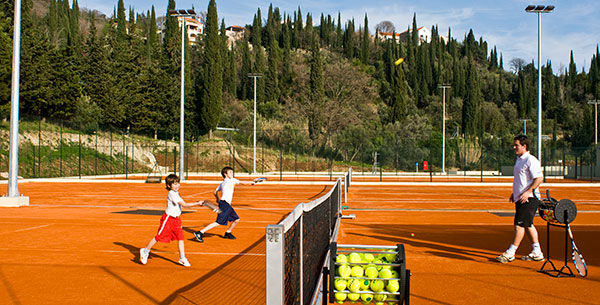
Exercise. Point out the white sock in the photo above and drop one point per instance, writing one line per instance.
(511, 250)
(536, 248)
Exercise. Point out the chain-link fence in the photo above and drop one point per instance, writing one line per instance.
(63, 149)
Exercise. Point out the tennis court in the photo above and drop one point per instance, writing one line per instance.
(78, 242)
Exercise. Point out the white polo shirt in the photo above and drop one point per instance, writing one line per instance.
(226, 188)
(527, 168)
(173, 209)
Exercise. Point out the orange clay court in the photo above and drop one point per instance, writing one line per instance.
(78, 242)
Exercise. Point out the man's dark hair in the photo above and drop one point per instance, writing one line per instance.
(524, 140)
(172, 178)
(225, 170)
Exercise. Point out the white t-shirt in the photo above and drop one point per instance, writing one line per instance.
(226, 188)
(173, 209)
(527, 168)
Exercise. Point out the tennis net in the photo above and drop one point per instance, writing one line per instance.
(296, 248)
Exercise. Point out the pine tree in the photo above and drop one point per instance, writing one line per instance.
(364, 47)
(212, 90)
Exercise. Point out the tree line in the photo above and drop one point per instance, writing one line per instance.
(332, 88)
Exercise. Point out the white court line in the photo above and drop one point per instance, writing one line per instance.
(27, 229)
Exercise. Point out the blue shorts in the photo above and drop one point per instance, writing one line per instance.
(227, 213)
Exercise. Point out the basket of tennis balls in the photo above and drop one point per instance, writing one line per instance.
(368, 274)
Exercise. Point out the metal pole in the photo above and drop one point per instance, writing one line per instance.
(13, 169)
(254, 137)
(181, 127)
(444, 126)
(539, 87)
(595, 103)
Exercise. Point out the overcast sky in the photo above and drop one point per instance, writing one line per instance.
(574, 25)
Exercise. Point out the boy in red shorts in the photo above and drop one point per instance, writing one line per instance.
(170, 222)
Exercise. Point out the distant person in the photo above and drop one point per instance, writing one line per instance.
(170, 222)
(224, 195)
(527, 178)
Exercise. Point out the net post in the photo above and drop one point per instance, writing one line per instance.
(275, 264)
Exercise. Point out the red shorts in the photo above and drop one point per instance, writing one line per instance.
(169, 229)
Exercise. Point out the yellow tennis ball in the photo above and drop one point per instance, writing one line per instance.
(353, 296)
(340, 296)
(367, 297)
(369, 257)
(364, 284)
(377, 285)
(378, 261)
(341, 258)
(344, 271)
(357, 271)
(394, 273)
(391, 257)
(385, 273)
(340, 284)
(371, 272)
(354, 258)
(392, 286)
(379, 297)
(354, 285)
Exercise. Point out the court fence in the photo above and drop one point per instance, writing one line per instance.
(63, 149)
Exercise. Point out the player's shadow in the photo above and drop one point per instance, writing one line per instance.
(135, 251)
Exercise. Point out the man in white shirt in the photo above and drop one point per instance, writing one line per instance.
(527, 178)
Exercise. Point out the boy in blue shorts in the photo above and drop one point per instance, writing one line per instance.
(170, 222)
(224, 199)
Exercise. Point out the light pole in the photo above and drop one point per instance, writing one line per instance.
(182, 13)
(13, 198)
(444, 86)
(539, 9)
(595, 103)
(525, 125)
(255, 76)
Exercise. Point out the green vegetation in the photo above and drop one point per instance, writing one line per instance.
(331, 90)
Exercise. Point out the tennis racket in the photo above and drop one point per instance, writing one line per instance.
(211, 206)
(578, 260)
(259, 180)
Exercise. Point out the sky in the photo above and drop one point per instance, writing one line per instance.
(573, 25)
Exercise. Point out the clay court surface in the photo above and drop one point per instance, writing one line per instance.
(78, 242)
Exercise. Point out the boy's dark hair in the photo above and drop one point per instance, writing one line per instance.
(225, 170)
(524, 140)
(172, 178)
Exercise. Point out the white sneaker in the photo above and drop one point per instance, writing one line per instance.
(184, 262)
(144, 253)
(534, 256)
(505, 258)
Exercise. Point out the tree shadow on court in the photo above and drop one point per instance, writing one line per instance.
(136, 253)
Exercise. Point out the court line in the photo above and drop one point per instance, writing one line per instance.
(27, 229)
(445, 210)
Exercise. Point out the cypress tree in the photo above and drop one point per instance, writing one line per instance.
(364, 47)
(472, 102)
(255, 36)
(245, 89)
(317, 93)
(272, 91)
(212, 90)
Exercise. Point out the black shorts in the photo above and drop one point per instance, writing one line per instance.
(227, 213)
(524, 212)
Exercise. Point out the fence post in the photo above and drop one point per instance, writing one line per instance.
(60, 147)
(79, 133)
(96, 154)
(110, 154)
(175, 160)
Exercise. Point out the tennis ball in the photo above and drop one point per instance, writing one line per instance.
(385, 273)
(353, 296)
(377, 285)
(378, 261)
(379, 298)
(344, 271)
(357, 271)
(394, 274)
(341, 258)
(392, 286)
(371, 272)
(354, 258)
(340, 296)
(354, 285)
(367, 297)
(364, 284)
(369, 257)
(340, 284)
(391, 257)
